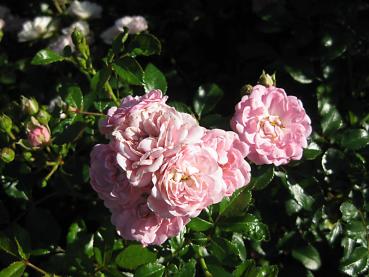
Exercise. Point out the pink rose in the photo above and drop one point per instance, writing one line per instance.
(141, 224)
(38, 135)
(143, 129)
(231, 158)
(275, 126)
(187, 182)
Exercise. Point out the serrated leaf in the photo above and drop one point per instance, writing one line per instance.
(150, 270)
(134, 256)
(15, 269)
(349, 211)
(129, 70)
(144, 44)
(308, 256)
(153, 78)
(239, 245)
(46, 56)
(236, 204)
(197, 224)
(262, 180)
(74, 97)
(355, 139)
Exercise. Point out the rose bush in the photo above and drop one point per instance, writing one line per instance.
(137, 140)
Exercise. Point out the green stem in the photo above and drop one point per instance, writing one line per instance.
(111, 93)
(43, 272)
(11, 135)
(205, 267)
(88, 113)
(53, 170)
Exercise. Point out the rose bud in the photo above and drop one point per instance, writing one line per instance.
(38, 135)
(29, 105)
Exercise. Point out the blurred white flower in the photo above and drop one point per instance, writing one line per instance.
(2, 24)
(57, 102)
(40, 27)
(85, 9)
(64, 40)
(135, 24)
(82, 26)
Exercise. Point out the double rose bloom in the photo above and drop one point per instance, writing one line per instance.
(161, 168)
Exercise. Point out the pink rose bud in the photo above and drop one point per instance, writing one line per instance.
(38, 135)
(274, 126)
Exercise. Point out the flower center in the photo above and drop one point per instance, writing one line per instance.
(271, 126)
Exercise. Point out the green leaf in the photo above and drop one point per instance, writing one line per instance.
(74, 230)
(236, 204)
(349, 211)
(302, 74)
(40, 252)
(249, 225)
(129, 70)
(15, 269)
(46, 56)
(74, 97)
(134, 256)
(356, 263)
(312, 151)
(7, 245)
(144, 44)
(187, 270)
(21, 252)
(239, 245)
(150, 270)
(197, 224)
(355, 139)
(304, 200)
(212, 121)
(308, 256)
(331, 120)
(181, 107)
(154, 79)
(70, 133)
(218, 248)
(242, 269)
(218, 271)
(206, 98)
(261, 181)
(22, 240)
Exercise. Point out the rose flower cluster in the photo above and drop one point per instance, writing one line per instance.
(160, 168)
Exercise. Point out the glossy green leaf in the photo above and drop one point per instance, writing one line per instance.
(356, 263)
(74, 97)
(312, 151)
(239, 245)
(355, 139)
(46, 56)
(263, 179)
(70, 133)
(181, 107)
(331, 120)
(15, 269)
(153, 78)
(144, 44)
(134, 256)
(236, 204)
(308, 256)
(197, 224)
(333, 161)
(249, 225)
(206, 98)
(349, 211)
(304, 200)
(129, 70)
(187, 270)
(150, 270)
(7, 245)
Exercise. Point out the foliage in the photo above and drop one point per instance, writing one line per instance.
(309, 217)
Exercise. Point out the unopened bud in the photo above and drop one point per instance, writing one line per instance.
(267, 80)
(38, 135)
(7, 155)
(246, 89)
(29, 105)
(6, 123)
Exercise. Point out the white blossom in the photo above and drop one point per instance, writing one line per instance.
(135, 24)
(40, 27)
(85, 9)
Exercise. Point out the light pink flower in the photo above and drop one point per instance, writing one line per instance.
(187, 182)
(141, 224)
(231, 158)
(143, 129)
(275, 126)
(38, 136)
